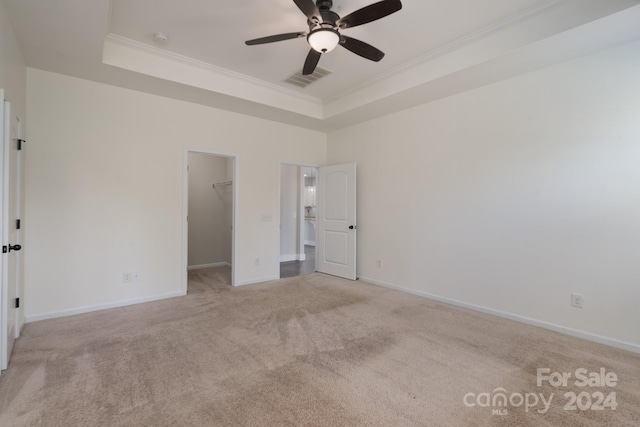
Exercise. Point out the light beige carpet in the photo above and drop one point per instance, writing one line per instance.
(308, 351)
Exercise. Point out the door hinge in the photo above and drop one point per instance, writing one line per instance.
(20, 142)
(17, 302)
(5, 249)
(18, 224)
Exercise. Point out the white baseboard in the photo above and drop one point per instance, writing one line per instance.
(611, 342)
(91, 308)
(256, 281)
(202, 266)
(292, 257)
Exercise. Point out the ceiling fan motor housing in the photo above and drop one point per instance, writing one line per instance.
(327, 17)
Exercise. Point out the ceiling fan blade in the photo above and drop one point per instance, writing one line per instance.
(275, 38)
(311, 63)
(361, 48)
(370, 13)
(309, 8)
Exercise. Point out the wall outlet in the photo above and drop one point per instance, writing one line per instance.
(577, 300)
(380, 264)
(131, 277)
(266, 217)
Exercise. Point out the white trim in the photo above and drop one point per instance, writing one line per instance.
(301, 220)
(216, 70)
(203, 78)
(4, 212)
(448, 48)
(256, 281)
(98, 307)
(212, 265)
(611, 342)
(293, 257)
(19, 233)
(429, 56)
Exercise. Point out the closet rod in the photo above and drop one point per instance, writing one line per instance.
(222, 183)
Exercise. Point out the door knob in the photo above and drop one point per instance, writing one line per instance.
(14, 247)
(352, 227)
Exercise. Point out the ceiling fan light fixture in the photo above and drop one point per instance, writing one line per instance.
(323, 40)
(325, 26)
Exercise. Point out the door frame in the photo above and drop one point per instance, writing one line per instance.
(11, 196)
(20, 319)
(279, 201)
(4, 282)
(185, 211)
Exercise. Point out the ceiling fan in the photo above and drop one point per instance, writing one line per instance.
(325, 26)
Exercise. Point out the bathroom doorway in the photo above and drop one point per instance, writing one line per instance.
(298, 209)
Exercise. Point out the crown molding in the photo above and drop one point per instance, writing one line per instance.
(223, 72)
(115, 38)
(464, 61)
(429, 56)
(451, 47)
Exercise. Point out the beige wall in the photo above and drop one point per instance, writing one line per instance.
(104, 178)
(513, 196)
(13, 73)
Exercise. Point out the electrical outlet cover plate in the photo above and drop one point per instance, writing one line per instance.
(577, 300)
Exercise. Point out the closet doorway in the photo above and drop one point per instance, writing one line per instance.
(209, 222)
(297, 220)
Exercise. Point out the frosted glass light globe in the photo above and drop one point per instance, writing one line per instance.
(323, 40)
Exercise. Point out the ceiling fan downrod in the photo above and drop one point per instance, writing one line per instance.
(329, 18)
(324, 4)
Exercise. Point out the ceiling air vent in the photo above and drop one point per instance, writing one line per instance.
(301, 80)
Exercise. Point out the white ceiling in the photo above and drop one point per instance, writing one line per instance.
(433, 49)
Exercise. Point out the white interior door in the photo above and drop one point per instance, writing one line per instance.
(337, 220)
(15, 218)
(10, 236)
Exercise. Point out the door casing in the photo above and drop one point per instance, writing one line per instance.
(11, 176)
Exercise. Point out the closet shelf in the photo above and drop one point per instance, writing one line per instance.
(222, 183)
